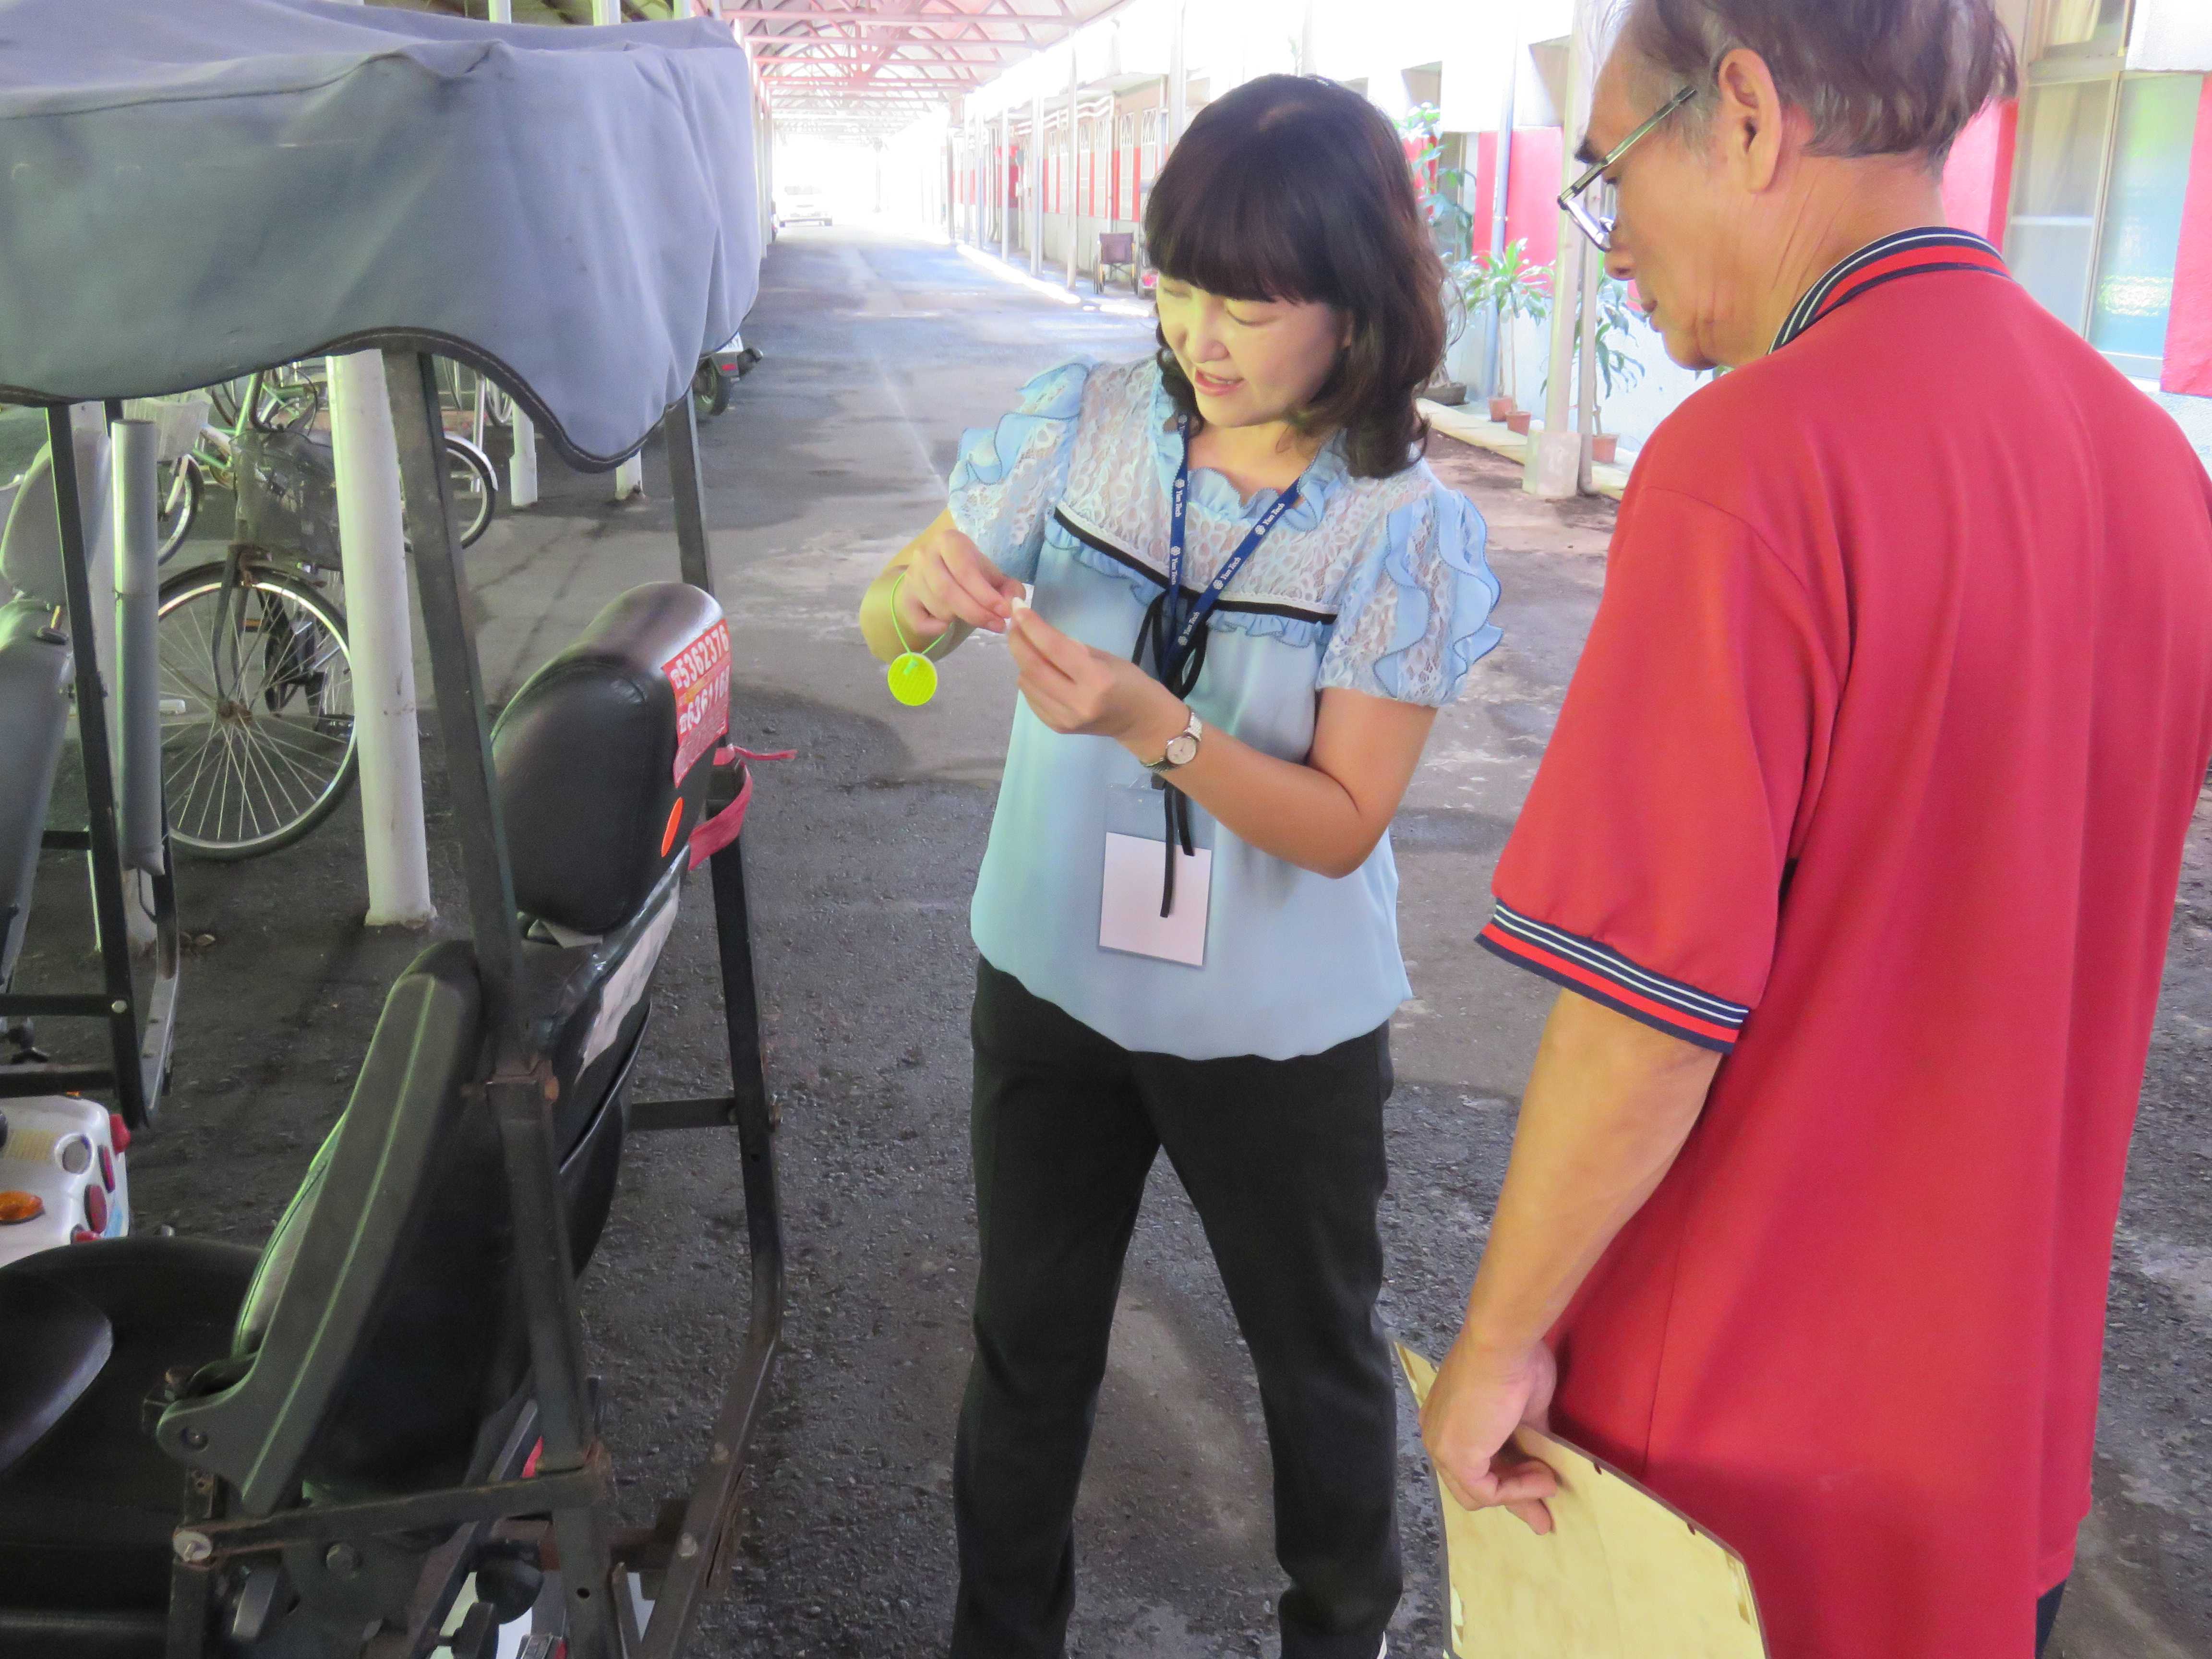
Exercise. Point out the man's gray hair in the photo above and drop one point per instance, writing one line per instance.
(1876, 77)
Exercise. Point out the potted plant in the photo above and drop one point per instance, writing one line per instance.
(1514, 289)
(1617, 323)
(1451, 229)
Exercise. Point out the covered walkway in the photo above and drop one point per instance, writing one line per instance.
(862, 852)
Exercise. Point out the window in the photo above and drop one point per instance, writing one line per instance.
(2101, 172)
(2142, 236)
(2099, 26)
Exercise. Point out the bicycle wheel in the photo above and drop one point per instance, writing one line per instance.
(180, 485)
(257, 710)
(472, 489)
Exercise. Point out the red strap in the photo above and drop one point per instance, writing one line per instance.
(719, 831)
(726, 757)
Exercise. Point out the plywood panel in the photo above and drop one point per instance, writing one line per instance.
(1622, 1576)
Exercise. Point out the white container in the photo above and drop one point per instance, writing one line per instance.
(64, 1152)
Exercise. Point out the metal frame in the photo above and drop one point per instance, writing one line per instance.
(138, 1055)
(600, 1614)
(572, 1481)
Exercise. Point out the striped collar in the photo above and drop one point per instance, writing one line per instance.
(1907, 253)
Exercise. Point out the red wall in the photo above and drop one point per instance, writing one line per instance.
(1977, 179)
(2189, 335)
(1531, 203)
(1532, 192)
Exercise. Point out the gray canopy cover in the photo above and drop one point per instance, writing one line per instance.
(190, 190)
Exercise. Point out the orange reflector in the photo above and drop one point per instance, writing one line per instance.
(20, 1207)
(675, 822)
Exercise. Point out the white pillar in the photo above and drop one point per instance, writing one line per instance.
(1178, 82)
(372, 556)
(1005, 173)
(522, 466)
(1555, 459)
(1071, 198)
(1037, 172)
(1586, 371)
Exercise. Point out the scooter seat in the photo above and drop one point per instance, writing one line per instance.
(86, 1513)
(57, 1343)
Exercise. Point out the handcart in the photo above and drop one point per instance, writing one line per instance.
(374, 1436)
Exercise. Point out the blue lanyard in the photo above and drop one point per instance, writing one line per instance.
(1188, 629)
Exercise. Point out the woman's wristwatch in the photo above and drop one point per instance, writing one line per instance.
(1182, 748)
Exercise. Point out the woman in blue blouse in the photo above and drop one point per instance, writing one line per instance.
(1250, 597)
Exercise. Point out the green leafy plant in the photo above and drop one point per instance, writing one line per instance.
(1515, 289)
(1439, 188)
(1618, 323)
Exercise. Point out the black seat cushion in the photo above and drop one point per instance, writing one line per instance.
(57, 1341)
(85, 1516)
(605, 754)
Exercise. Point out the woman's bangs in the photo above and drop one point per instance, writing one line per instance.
(1225, 234)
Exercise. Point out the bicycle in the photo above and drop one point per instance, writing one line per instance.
(289, 401)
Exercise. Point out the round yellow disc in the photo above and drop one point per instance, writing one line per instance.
(912, 679)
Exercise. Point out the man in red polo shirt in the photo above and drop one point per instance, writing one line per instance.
(1856, 850)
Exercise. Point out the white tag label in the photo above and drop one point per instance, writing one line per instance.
(1129, 916)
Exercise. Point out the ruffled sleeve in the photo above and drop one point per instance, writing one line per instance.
(1009, 477)
(1416, 614)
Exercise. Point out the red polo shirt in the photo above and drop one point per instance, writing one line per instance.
(1874, 776)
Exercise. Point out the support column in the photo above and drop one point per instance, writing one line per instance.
(522, 466)
(1071, 192)
(1501, 197)
(372, 553)
(629, 476)
(1038, 171)
(1586, 371)
(1005, 183)
(1555, 458)
(1178, 82)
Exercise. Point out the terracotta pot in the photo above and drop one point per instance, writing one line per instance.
(1604, 446)
(1500, 408)
(1518, 421)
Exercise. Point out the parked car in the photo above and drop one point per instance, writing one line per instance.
(803, 207)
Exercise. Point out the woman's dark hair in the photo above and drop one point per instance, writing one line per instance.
(1293, 188)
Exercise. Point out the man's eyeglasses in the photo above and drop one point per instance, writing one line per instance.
(1596, 222)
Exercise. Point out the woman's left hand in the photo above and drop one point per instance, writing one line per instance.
(1075, 688)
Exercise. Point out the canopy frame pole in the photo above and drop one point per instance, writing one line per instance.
(519, 1090)
(696, 558)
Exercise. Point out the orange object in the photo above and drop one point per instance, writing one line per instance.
(675, 822)
(20, 1207)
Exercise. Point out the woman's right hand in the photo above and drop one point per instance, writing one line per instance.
(949, 581)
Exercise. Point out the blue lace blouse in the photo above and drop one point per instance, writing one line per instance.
(1370, 585)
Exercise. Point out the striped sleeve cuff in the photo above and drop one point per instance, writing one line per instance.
(1604, 975)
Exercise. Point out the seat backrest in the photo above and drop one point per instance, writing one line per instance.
(31, 543)
(35, 677)
(384, 1328)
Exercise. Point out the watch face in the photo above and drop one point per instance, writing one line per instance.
(1182, 748)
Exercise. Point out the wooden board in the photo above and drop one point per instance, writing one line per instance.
(1622, 1576)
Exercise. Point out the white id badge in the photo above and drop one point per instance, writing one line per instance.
(1129, 916)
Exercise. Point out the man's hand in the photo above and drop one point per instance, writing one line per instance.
(948, 581)
(1075, 688)
(1474, 1405)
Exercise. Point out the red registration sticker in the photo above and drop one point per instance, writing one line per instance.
(700, 674)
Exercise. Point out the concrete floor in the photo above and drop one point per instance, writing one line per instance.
(862, 851)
